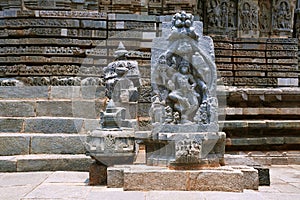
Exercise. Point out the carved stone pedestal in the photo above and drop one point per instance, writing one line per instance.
(112, 147)
(108, 148)
(185, 150)
(146, 178)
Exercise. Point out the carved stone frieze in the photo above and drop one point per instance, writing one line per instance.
(23, 23)
(21, 69)
(61, 4)
(10, 82)
(72, 14)
(221, 16)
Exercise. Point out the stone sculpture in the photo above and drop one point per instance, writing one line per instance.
(113, 141)
(185, 107)
(184, 76)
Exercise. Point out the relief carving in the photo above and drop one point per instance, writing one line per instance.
(248, 19)
(282, 15)
(221, 16)
(264, 18)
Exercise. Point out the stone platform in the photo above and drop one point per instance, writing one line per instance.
(147, 178)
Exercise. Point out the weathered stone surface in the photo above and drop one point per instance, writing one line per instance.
(143, 109)
(115, 177)
(57, 144)
(159, 180)
(11, 125)
(14, 144)
(17, 109)
(85, 109)
(97, 174)
(54, 108)
(145, 178)
(53, 125)
(65, 92)
(264, 175)
(53, 163)
(92, 92)
(24, 92)
(214, 180)
(91, 124)
(250, 176)
(8, 164)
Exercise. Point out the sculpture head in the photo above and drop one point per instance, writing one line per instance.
(184, 67)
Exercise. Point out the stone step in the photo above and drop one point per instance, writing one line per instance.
(294, 111)
(264, 158)
(247, 128)
(70, 125)
(261, 124)
(45, 162)
(242, 135)
(25, 144)
(262, 97)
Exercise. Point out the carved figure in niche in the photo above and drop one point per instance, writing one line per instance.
(283, 16)
(169, 115)
(224, 14)
(264, 17)
(183, 94)
(157, 110)
(246, 17)
(161, 78)
(231, 14)
(213, 14)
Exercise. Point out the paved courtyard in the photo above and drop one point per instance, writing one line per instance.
(285, 184)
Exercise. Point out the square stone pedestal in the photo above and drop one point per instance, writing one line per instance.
(146, 178)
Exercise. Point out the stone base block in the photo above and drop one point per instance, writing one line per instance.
(97, 174)
(147, 178)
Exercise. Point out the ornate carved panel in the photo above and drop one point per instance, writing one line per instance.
(264, 18)
(221, 17)
(248, 19)
(282, 17)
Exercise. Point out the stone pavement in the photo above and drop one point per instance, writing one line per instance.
(285, 184)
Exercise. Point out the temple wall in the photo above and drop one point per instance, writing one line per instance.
(63, 45)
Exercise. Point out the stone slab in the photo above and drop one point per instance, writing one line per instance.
(65, 92)
(23, 178)
(250, 176)
(52, 162)
(145, 178)
(86, 109)
(24, 92)
(54, 108)
(57, 191)
(17, 109)
(15, 192)
(52, 125)
(57, 144)
(92, 92)
(8, 164)
(91, 124)
(10, 125)
(67, 177)
(14, 144)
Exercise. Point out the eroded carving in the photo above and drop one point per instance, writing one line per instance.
(184, 77)
(282, 15)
